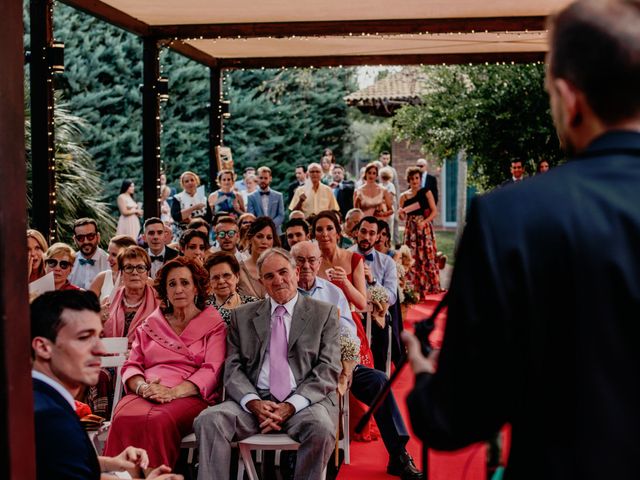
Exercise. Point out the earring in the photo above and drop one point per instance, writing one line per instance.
(195, 300)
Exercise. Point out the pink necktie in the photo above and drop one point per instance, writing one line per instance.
(279, 380)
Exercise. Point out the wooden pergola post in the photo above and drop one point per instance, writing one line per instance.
(215, 122)
(42, 128)
(17, 458)
(151, 128)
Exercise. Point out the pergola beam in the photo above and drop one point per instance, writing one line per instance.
(110, 15)
(346, 28)
(17, 443)
(150, 128)
(353, 60)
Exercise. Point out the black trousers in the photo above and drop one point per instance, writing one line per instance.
(366, 384)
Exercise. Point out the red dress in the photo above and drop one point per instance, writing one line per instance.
(356, 408)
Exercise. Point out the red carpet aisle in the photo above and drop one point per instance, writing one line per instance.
(369, 460)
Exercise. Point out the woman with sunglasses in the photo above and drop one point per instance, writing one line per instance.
(224, 275)
(59, 260)
(134, 301)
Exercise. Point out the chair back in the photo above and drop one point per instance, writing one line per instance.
(116, 348)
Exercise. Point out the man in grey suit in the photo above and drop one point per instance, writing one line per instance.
(281, 374)
(265, 201)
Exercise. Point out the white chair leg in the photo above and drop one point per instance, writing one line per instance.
(245, 454)
(190, 456)
(240, 468)
(277, 459)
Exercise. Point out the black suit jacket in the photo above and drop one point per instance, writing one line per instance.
(170, 254)
(291, 189)
(345, 197)
(432, 185)
(543, 325)
(63, 450)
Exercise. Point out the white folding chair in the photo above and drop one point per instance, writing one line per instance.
(117, 349)
(345, 442)
(261, 442)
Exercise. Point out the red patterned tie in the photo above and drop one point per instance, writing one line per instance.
(279, 380)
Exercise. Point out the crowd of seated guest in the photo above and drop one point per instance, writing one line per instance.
(176, 307)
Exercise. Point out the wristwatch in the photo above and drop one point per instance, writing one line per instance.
(373, 282)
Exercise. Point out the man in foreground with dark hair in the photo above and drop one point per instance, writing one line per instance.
(542, 329)
(66, 350)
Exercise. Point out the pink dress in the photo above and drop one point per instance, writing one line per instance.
(197, 355)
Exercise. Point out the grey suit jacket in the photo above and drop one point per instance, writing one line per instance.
(314, 349)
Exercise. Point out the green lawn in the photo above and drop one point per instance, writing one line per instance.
(445, 240)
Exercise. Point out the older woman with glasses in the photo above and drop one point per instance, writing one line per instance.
(174, 369)
(224, 275)
(135, 300)
(59, 259)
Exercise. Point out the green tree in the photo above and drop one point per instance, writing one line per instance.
(495, 113)
(280, 118)
(79, 184)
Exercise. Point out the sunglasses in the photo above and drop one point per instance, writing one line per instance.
(89, 236)
(53, 263)
(137, 268)
(228, 233)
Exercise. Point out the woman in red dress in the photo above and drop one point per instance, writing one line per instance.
(345, 269)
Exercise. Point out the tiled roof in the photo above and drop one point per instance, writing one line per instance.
(405, 86)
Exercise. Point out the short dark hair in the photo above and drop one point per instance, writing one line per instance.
(368, 219)
(337, 165)
(191, 233)
(199, 222)
(222, 257)
(303, 167)
(298, 222)
(225, 219)
(384, 152)
(200, 280)
(152, 221)
(595, 46)
(46, 310)
(84, 221)
(122, 241)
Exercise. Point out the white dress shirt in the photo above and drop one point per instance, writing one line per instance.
(298, 401)
(82, 275)
(156, 265)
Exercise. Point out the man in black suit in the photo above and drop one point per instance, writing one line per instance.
(428, 180)
(542, 329)
(301, 176)
(517, 172)
(66, 350)
(342, 189)
(156, 247)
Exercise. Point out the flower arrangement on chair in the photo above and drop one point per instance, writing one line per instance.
(378, 297)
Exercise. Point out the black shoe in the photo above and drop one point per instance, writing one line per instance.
(401, 465)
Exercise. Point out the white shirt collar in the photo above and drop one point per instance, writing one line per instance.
(288, 306)
(162, 253)
(56, 386)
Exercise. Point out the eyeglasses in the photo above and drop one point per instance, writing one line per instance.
(89, 236)
(137, 268)
(303, 260)
(225, 276)
(228, 233)
(53, 263)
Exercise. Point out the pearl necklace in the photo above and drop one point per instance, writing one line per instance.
(135, 305)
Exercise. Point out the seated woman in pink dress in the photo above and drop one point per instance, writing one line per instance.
(174, 370)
